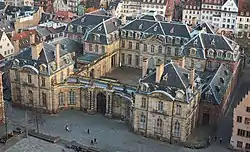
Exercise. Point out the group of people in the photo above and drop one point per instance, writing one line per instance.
(214, 138)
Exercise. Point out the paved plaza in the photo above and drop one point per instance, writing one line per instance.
(111, 135)
(36, 145)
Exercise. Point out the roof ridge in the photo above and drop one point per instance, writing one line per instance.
(178, 74)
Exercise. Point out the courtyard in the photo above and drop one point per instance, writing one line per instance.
(112, 135)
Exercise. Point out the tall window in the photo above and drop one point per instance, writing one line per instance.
(152, 48)
(123, 58)
(44, 99)
(90, 47)
(68, 72)
(29, 78)
(43, 81)
(209, 64)
(160, 106)
(145, 47)
(96, 48)
(72, 97)
(169, 51)
(176, 52)
(129, 59)
(61, 98)
(123, 44)
(18, 93)
(130, 45)
(61, 76)
(103, 49)
(160, 49)
(178, 109)
(239, 119)
(177, 132)
(142, 121)
(30, 96)
(137, 46)
(17, 75)
(137, 60)
(158, 126)
(143, 102)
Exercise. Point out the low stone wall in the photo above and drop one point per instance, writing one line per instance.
(196, 145)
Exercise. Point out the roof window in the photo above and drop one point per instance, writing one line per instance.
(222, 80)
(217, 88)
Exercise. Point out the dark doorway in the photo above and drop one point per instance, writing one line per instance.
(91, 74)
(101, 103)
(205, 119)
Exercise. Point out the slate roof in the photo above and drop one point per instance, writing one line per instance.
(216, 84)
(69, 45)
(207, 27)
(162, 28)
(44, 32)
(24, 38)
(6, 26)
(46, 56)
(2, 5)
(11, 10)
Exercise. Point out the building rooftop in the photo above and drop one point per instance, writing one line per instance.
(88, 58)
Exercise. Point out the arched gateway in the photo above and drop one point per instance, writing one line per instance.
(101, 103)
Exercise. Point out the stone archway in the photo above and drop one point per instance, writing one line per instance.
(101, 103)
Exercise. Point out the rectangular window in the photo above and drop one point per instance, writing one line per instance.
(241, 132)
(143, 102)
(239, 144)
(123, 58)
(247, 121)
(248, 134)
(123, 44)
(169, 51)
(29, 79)
(178, 110)
(145, 47)
(17, 75)
(129, 59)
(137, 47)
(90, 47)
(209, 64)
(176, 52)
(247, 146)
(160, 106)
(248, 109)
(239, 119)
(137, 60)
(130, 45)
(61, 76)
(44, 99)
(43, 81)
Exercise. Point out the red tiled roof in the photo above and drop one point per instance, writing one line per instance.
(65, 16)
(24, 34)
(244, 6)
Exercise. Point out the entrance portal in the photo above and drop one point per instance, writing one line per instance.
(101, 103)
(205, 119)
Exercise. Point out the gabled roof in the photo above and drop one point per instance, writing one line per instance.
(207, 28)
(175, 76)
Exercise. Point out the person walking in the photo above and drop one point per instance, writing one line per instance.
(88, 131)
(95, 141)
(91, 142)
(220, 140)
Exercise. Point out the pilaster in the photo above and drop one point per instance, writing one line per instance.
(90, 101)
(109, 110)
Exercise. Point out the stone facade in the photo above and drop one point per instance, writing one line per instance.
(241, 120)
(2, 113)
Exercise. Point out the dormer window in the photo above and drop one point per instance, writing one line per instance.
(219, 54)
(177, 40)
(99, 28)
(140, 26)
(222, 80)
(193, 51)
(123, 34)
(130, 34)
(217, 88)
(79, 29)
(70, 29)
(211, 53)
(155, 28)
(229, 55)
(172, 30)
(195, 41)
(170, 39)
(138, 35)
(165, 77)
(213, 42)
(97, 37)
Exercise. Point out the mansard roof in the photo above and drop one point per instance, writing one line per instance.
(158, 28)
(216, 84)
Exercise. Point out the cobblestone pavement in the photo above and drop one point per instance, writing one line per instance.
(36, 145)
(111, 135)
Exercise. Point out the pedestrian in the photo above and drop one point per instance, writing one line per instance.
(91, 142)
(95, 141)
(220, 140)
(88, 131)
(215, 138)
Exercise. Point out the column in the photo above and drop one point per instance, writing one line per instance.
(90, 102)
(108, 104)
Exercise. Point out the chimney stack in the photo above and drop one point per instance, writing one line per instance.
(36, 49)
(57, 55)
(192, 76)
(183, 62)
(32, 38)
(144, 67)
(159, 71)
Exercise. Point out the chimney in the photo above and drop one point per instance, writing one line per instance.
(192, 76)
(159, 71)
(144, 67)
(32, 38)
(123, 19)
(57, 55)
(16, 46)
(183, 62)
(36, 49)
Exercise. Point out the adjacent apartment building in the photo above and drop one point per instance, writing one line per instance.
(241, 120)
(221, 13)
(6, 47)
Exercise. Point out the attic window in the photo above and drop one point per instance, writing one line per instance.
(83, 19)
(99, 28)
(196, 42)
(140, 26)
(213, 42)
(217, 88)
(172, 30)
(165, 77)
(155, 29)
(222, 80)
(226, 72)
